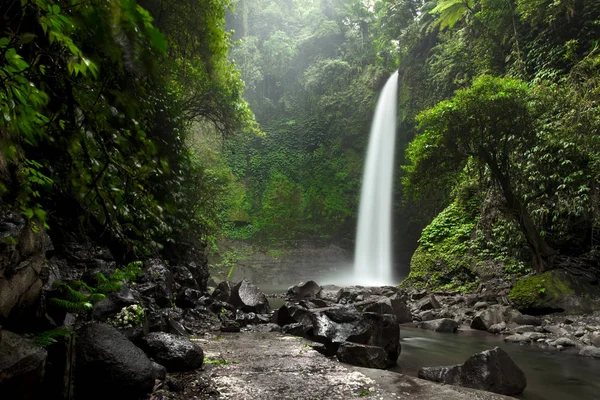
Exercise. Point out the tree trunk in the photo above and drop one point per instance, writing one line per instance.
(541, 253)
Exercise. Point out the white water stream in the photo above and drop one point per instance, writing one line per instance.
(373, 252)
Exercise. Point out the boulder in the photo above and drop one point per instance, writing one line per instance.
(517, 338)
(176, 353)
(113, 303)
(183, 276)
(427, 303)
(427, 315)
(157, 283)
(565, 342)
(497, 328)
(493, 315)
(394, 304)
(524, 319)
(188, 298)
(249, 298)
(110, 366)
(590, 351)
(480, 304)
(303, 290)
(200, 320)
(330, 293)
(200, 273)
(362, 355)
(21, 367)
(222, 291)
(491, 370)
(439, 325)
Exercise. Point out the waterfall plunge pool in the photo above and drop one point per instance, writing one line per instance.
(550, 375)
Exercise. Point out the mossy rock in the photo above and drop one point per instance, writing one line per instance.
(556, 290)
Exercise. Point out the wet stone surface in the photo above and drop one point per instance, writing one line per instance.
(275, 366)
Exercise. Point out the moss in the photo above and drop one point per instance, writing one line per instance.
(542, 291)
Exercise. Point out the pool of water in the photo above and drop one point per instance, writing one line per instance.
(550, 375)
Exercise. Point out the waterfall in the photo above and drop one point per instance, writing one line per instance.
(373, 252)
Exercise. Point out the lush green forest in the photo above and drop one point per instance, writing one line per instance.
(159, 128)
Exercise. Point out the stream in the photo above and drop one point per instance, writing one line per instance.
(550, 376)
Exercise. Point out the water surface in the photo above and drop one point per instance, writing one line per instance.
(550, 375)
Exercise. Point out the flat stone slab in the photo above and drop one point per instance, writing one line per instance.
(276, 366)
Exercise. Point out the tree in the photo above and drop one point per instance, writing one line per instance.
(492, 124)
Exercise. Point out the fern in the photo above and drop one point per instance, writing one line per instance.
(72, 306)
(45, 339)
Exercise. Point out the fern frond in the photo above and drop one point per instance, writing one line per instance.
(72, 306)
(109, 287)
(96, 298)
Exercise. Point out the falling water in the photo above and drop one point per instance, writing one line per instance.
(373, 253)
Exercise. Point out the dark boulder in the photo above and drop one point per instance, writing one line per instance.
(188, 298)
(439, 325)
(110, 366)
(176, 353)
(113, 303)
(157, 283)
(222, 291)
(200, 273)
(249, 298)
(394, 304)
(21, 367)
(362, 355)
(427, 303)
(303, 290)
(200, 320)
(491, 370)
(296, 329)
(183, 277)
(493, 315)
(524, 319)
(330, 293)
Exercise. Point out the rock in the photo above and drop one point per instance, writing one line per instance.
(523, 329)
(303, 290)
(22, 366)
(418, 295)
(535, 336)
(113, 304)
(493, 315)
(291, 313)
(362, 355)
(400, 309)
(341, 314)
(590, 351)
(175, 327)
(183, 276)
(188, 298)
(330, 293)
(110, 366)
(480, 304)
(439, 325)
(157, 283)
(497, 328)
(524, 319)
(518, 338)
(200, 320)
(427, 303)
(579, 333)
(565, 342)
(176, 353)
(22, 258)
(296, 329)
(427, 315)
(200, 273)
(249, 298)
(222, 291)
(556, 330)
(160, 372)
(491, 370)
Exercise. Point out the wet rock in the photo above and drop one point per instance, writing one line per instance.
(427, 315)
(160, 372)
(480, 304)
(565, 342)
(291, 313)
(222, 291)
(218, 307)
(200, 320)
(183, 276)
(362, 355)
(497, 328)
(316, 303)
(296, 329)
(113, 304)
(491, 370)
(175, 327)
(249, 298)
(176, 353)
(110, 366)
(200, 273)
(351, 293)
(535, 336)
(157, 283)
(590, 351)
(330, 293)
(556, 330)
(524, 319)
(493, 315)
(394, 304)
(439, 325)
(342, 314)
(303, 290)
(418, 295)
(188, 298)
(427, 303)
(21, 367)
(517, 338)
(523, 329)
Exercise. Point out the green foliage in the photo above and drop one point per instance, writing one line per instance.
(539, 291)
(47, 338)
(128, 317)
